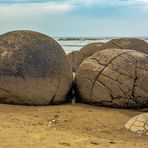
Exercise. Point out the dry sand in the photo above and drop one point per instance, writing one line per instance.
(79, 125)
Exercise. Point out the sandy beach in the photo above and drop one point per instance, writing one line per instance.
(67, 125)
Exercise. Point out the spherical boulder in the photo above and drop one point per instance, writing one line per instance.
(77, 57)
(138, 124)
(34, 69)
(115, 78)
(127, 43)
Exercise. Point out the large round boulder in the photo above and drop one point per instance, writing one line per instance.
(127, 43)
(77, 57)
(34, 69)
(114, 77)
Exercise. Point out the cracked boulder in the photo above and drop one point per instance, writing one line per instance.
(138, 124)
(115, 78)
(127, 43)
(34, 69)
(77, 57)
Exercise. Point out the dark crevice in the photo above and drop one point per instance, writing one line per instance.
(118, 97)
(52, 100)
(134, 85)
(133, 97)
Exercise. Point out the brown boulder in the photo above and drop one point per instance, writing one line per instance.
(114, 77)
(34, 69)
(74, 59)
(127, 43)
(90, 49)
(77, 57)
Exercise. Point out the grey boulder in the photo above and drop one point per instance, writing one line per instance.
(34, 69)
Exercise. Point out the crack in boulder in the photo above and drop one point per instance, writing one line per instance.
(119, 79)
(4, 99)
(116, 45)
(40, 61)
(52, 100)
(135, 79)
(106, 87)
(122, 90)
(5, 90)
(134, 85)
(121, 73)
(102, 71)
(97, 61)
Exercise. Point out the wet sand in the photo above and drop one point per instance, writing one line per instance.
(79, 125)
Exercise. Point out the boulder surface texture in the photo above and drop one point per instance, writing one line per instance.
(34, 69)
(127, 43)
(74, 59)
(77, 57)
(115, 78)
(90, 49)
(138, 124)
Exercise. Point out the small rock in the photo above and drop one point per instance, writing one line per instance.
(138, 124)
(111, 141)
(94, 142)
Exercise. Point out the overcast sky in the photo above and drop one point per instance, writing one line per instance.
(76, 17)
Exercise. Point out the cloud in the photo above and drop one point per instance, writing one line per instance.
(74, 16)
(108, 2)
(31, 14)
(22, 1)
(20, 11)
(77, 3)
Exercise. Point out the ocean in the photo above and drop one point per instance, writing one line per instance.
(75, 43)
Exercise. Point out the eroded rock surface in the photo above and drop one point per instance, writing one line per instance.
(90, 49)
(114, 77)
(127, 43)
(77, 57)
(138, 124)
(34, 69)
(74, 59)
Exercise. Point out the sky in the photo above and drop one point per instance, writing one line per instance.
(65, 18)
